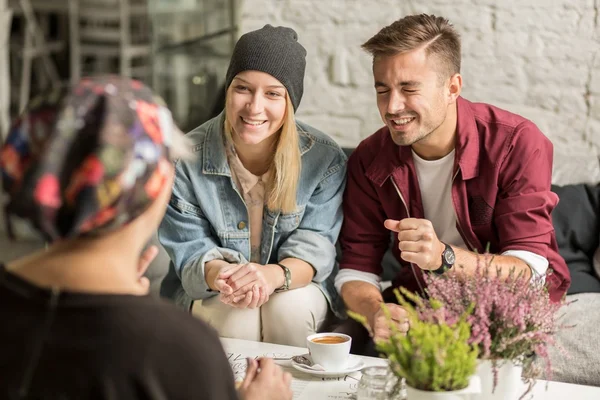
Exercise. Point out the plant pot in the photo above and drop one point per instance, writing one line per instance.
(467, 393)
(509, 384)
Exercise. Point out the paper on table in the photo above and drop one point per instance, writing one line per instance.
(343, 387)
(238, 365)
(304, 386)
(238, 362)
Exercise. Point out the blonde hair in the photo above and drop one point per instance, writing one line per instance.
(435, 34)
(286, 163)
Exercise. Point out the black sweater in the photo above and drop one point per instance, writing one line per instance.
(65, 345)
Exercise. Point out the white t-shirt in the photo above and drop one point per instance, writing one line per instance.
(435, 182)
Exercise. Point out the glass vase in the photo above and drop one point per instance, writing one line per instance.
(379, 383)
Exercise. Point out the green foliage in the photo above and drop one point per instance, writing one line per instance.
(433, 356)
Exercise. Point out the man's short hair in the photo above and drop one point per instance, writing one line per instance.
(436, 34)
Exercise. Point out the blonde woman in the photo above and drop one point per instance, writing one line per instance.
(254, 216)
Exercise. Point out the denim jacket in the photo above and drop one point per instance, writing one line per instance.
(207, 219)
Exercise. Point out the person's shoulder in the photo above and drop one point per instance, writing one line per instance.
(372, 146)
(188, 352)
(197, 136)
(178, 334)
(321, 141)
(201, 131)
(501, 120)
(165, 323)
(316, 135)
(506, 130)
(176, 322)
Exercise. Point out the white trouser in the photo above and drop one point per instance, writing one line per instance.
(287, 318)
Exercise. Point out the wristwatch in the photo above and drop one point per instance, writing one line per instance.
(288, 279)
(448, 259)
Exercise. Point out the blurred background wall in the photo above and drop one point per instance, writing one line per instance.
(537, 58)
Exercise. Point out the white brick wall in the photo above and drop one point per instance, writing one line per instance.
(538, 58)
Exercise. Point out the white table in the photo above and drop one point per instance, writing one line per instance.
(308, 387)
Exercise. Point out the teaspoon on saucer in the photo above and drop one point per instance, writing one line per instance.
(298, 360)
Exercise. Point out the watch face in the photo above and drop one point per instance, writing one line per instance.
(449, 256)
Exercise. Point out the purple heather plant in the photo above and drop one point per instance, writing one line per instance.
(512, 319)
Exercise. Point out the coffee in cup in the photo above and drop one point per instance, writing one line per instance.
(329, 339)
(330, 350)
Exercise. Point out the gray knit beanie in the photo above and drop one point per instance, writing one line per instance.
(274, 50)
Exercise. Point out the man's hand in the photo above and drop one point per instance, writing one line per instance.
(381, 326)
(419, 243)
(265, 380)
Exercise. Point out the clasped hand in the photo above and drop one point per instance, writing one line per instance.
(418, 242)
(245, 285)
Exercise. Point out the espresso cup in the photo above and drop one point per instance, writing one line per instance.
(329, 350)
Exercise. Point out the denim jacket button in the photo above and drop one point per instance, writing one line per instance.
(241, 225)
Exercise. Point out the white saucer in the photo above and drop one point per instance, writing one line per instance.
(355, 363)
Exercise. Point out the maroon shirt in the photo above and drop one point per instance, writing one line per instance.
(500, 190)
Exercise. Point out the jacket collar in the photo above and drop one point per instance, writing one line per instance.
(467, 140)
(214, 155)
(391, 156)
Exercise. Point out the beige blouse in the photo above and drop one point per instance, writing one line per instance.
(252, 188)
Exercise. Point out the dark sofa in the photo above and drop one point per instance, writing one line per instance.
(576, 221)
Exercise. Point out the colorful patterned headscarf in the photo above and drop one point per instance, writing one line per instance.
(88, 159)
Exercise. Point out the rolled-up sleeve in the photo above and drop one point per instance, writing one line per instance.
(314, 239)
(364, 239)
(525, 202)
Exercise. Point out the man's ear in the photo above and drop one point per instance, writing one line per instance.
(454, 87)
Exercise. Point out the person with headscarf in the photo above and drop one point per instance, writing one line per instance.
(90, 168)
(254, 216)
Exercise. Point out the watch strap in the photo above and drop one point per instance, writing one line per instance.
(287, 281)
(445, 265)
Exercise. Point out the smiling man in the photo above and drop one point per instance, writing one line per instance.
(445, 176)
